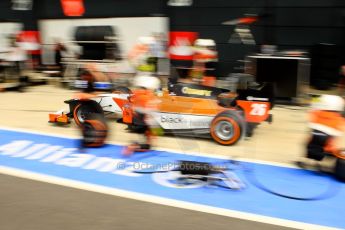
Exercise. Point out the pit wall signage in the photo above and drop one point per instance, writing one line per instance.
(180, 3)
(73, 8)
(30, 41)
(181, 45)
(22, 5)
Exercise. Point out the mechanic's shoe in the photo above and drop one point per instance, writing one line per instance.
(127, 151)
(324, 169)
(135, 147)
(301, 164)
(309, 166)
(130, 149)
(319, 169)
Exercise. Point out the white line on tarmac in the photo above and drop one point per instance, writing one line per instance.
(158, 200)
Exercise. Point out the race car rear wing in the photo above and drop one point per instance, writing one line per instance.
(256, 103)
(264, 92)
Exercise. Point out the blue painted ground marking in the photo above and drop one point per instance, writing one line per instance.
(106, 167)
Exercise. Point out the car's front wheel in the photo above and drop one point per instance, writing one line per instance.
(83, 110)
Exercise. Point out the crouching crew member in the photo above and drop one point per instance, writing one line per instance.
(327, 123)
(144, 103)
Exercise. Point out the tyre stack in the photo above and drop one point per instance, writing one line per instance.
(95, 44)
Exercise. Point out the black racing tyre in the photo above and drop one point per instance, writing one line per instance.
(93, 33)
(340, 169)
(94, 52)
(227, 128)
(83, 110)
(122, 89)
(94, 130)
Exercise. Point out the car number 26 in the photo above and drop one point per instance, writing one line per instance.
(258, 109)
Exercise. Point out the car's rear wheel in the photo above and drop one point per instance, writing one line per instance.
(226, 128)
(83, 110)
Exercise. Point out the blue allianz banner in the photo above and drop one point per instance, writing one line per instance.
(59, 157)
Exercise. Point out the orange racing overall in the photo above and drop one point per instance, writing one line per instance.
(143, 103)
(327, 126)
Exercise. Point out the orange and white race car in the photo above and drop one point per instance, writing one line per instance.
(185, 109)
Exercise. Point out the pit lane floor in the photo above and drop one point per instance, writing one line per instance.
(32, 205)
(281, 142)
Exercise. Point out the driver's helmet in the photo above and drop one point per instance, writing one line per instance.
(147, 81)
(205, 50)
(329, 103)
